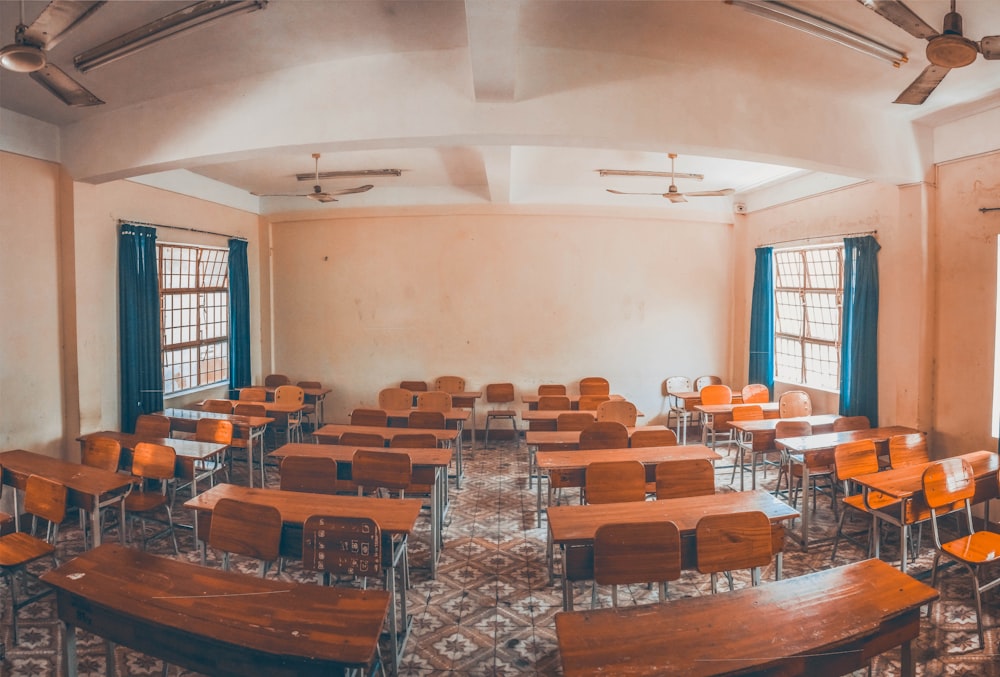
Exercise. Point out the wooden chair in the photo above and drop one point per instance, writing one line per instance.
(152, 426)
(500, 396)
(275, 380)
(218, 432)
(733, 541)
(677, 384)
(647, 552)
(703, 381)
(591, 402)
(716, 393)
(44, 499)
(574, 420)
(253, 395)
(413, 440)
(744, 412)
(154, 466)
(104, 453)
(604, 435)
(907, 450)
(426, 419)
(450, 384)
(853, 459)
(653, 438)
(414, 386)
(794, 403)
(374, 417)
(311, 475)
(615, 482)
(553, 403)
(950, 485)
(352, 439)
(622, 411)
(755, 393)
(395, 398)
(376, 471)
(595, 385)
(291, 423)
(217, 406)
(246, 529)
(684, 477)
(434, 400)
(784, 429)
(551, 389)
(846, 423)
(309, 413)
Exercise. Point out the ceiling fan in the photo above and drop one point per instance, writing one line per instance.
(27, 53)
(945, 50)
(318, 194)
(673, 194)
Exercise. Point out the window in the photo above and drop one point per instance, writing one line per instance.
(194, 316)
(808, 291)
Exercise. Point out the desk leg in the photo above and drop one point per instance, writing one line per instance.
(436, 521)
(538, 502)
(458, 462)
(907, 668)
(549, 547)
(95, 523)
(398, 644)
(69, 654)
(250, 446)
(806, 503)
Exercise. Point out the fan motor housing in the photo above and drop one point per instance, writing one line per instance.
(951, 51)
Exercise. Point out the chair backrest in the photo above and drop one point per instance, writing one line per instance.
(716, 394)
(748, 412)
(249, 409)
(604, 435)
(342, 546)
(253, 395)
(853, 459)
(594, 385)
(381, 470)
(413, 440)
(395, 398)
(434, 400)
(678, 384)
(703, 381)
(948, 482)
(907, 450)
(309, 384)
(217, 406)
(794, 403)
(615, 482)
(645, 552)
(731, 541)
(45, 498)
(314, 475)
(351, 439)
(289, 394)
(450, 384)
(214, 430)
(573, 420)
(783, 429)
(414, 386)
(553, 403)
(591, 402)
(551, 389)
(426, 419)
(846, 423)
(755, 392)
(275, 380)
(622, 411)
(249, 529)
(685, 477)
(101, 452)
(153, 461)
(152, 425)
(499, 393)
(653, 438)
(376, 417)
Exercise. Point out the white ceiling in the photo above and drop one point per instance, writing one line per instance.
(500, 101)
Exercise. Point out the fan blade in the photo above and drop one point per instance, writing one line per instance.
(281, 194)
(620, 192)
(57, 19)
(322, 197)
(921, 88)
(676, 197)
(989, 47)
(352, 191)
(712, 193)
(71, 92)
(902, 16)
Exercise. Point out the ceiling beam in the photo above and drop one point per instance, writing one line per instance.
(492, 28)
(496, 162)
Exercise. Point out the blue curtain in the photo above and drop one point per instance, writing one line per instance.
(859, 339)
(139, 324)
(239, 315)
(762, 321)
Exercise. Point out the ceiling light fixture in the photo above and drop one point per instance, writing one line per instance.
(807, 23)
(356, 173)
(192, 16)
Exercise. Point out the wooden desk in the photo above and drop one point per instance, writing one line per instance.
(572, 527)
(574, 400)
(430, 466)
(467, 400)
(716, 417)
(906, 485)
(313, 396)
(250, 428)
(548, 461)
(88, 489)
(547, 419)
(396, 518)
(827, 623)
(757, 437)
(456, 417)
(683, 404)
(275, 410)
(215, 622)
(331, 432)
(816, 451)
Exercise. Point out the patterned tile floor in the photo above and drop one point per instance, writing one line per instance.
(491, 609)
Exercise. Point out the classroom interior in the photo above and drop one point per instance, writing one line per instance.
(512, 285)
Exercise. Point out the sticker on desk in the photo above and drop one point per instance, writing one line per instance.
(77, 576)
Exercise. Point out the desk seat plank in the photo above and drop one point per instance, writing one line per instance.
(827, 623)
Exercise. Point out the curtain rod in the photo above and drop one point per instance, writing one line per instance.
(818, 237)
(190, 230)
